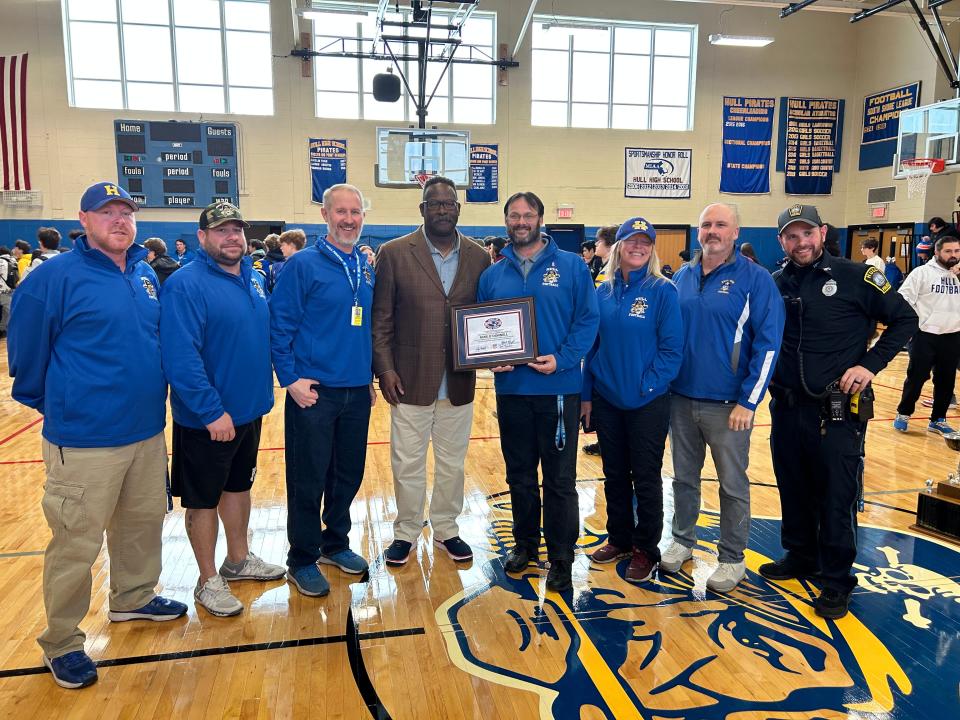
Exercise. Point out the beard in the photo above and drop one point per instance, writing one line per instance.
(949, 262)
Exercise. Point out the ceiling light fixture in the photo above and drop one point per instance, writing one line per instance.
(740, 40)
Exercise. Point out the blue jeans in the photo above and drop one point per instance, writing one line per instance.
(326, 449)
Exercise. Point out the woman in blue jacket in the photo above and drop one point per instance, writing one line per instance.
(626, 376)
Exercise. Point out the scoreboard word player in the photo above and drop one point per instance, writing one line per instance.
(177, 164)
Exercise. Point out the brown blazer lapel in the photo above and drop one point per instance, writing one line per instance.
(421, 253)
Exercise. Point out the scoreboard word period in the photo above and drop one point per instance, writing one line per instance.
(177, 164)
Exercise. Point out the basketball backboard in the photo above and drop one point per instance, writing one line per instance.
(403, 154)
(931, 131)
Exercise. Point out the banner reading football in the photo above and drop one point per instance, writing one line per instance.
(881, 124)
(484, 174)
(328, 165)
(657, 173)
(747, 137)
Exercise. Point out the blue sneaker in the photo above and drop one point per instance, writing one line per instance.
(160, 609)
(73, 670)
(347, 560)
(939, 426)
(309, 580)
(900, 423)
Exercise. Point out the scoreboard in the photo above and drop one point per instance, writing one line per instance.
(171, 164)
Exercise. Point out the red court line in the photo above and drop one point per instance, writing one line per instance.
(19, 462)
(21, 430)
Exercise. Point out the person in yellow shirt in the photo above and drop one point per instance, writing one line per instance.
(21, 251)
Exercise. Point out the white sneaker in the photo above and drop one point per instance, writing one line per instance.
(253, 568)
(216, 598)
(674, 556)
(726, 577)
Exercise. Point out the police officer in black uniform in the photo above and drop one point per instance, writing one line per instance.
(821, 399)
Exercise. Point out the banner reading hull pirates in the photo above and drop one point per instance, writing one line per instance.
(747, 137)
(484, 174)
(328, 165)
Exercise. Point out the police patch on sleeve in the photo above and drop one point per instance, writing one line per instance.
(877, 279)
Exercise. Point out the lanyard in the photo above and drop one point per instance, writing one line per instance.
(354, 287)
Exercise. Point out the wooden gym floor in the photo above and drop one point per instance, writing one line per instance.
(438, 640)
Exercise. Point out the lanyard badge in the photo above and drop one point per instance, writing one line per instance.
(356, 312)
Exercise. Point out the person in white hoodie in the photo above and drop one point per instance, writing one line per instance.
(933, 291)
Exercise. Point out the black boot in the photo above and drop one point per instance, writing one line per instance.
(558, 579)
(518, 559)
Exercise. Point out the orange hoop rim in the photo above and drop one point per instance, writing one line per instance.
(935, 165)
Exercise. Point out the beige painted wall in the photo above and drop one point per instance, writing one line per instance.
(815, 54)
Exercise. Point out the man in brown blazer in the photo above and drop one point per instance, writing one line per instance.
(419, 277)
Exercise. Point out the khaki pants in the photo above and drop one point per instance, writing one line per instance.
(89, 490)
(411, 428)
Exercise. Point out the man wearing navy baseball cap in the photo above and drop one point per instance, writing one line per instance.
(85, 352)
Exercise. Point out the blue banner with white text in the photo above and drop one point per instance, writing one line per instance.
(484, 174)
(881, 124)
(747, 138)
(811, 137)
(328, 165)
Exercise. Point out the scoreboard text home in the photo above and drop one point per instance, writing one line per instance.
(177, 164)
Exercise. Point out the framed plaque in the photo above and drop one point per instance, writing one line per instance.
(500, 332)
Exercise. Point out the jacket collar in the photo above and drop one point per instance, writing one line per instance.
(246, 266)
(135, 253)
(549, 250)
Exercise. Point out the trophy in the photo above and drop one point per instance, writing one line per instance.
(938, 508)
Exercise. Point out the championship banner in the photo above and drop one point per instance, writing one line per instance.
(747, 137)
(656, 173)
(484, 174)
(811, 135)
(328, 165)
(881, 124)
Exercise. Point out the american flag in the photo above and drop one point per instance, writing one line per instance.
(13, 122)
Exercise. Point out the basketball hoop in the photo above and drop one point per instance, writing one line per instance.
(918, 172)
(422, 177)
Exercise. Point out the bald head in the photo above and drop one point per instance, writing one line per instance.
(718, 231)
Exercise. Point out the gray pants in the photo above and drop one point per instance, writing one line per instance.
(5, 300)
(694, 424)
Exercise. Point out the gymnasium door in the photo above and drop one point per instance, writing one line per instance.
(670, 241)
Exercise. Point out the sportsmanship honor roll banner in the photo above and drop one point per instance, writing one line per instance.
(811, 134)
(656, 173)
(881, 124)
(747, 137)
(328, 165)
(484, 174)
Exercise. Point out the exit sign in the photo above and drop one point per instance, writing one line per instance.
(880, 211)
(564, 212)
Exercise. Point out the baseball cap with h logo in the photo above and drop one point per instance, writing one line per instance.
(96, 196)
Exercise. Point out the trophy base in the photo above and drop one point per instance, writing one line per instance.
(938, 514)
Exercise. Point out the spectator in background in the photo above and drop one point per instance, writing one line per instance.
(9, 275)
(746, 249)
(21, 251)
(49, 239)
(938, 227)
(369, 254)
(494, 246)
(74, 234)
(184, 255)
(291, 242)
(869, 248)
(163, 265)
(272, 243)
(257, 250)
(588, 250)
(831, 242)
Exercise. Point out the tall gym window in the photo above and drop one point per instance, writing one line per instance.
(199, 56)
(603, 74)
(344, 85)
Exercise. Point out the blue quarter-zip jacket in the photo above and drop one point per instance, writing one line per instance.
(566, 306)
(188, 257)
(215, 343)
(84, 348)
(311, 335)
(640, 345)
(733, 325)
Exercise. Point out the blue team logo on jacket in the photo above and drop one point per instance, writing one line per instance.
(367, 275)
(669, 648)
(551, 276)
(725, 286)
(149, 287)
(639, 308)
(258, 288)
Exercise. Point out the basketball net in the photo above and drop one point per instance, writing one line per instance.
(918, 172)
(423, 177)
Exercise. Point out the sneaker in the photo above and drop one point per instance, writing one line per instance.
(674, 556)
(308, 580)
(608, 554)
(160, 609)
(900, 422)
(215, 597)
(398, 553)
(73, 670)
(592, 449)
(456, 548)
(253, 568)
(940, 427)
(783, 569)
(559, 575)
(518, 559)
(832, 604)
(347, 560)
(726, 577)
(929, 402)
(641, 567)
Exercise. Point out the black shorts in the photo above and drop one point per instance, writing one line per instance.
(203, 469)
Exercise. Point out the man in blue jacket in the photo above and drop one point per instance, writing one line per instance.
(538, 404)
(733, 322)
(215, 344)
(85, 352)
(322, 353)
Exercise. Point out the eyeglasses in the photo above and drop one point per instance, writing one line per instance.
(527, 217)
(437, 204)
